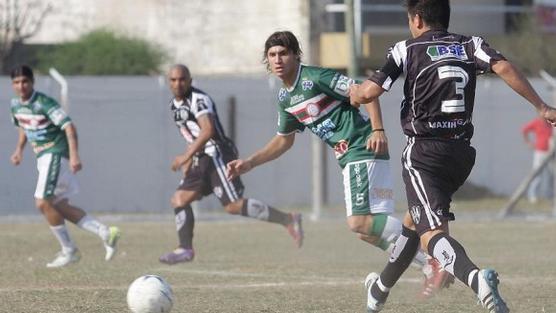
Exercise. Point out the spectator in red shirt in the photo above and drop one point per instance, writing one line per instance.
(542, 131)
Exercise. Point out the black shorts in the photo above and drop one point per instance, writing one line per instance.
(432, 170)
(208, 175)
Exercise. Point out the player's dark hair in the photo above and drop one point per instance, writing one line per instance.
(435, 13)
(22, 70)
(182, 68)
(285, 39)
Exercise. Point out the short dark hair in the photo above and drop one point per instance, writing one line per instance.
(285, 39)
(435, 13)
(22, 70)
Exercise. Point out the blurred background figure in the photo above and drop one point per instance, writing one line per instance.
(541, 185)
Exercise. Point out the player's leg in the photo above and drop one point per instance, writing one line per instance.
(230, 194)
(259, 210)
(192, 187)
(48, 166)
(108, 234)
(369, 203)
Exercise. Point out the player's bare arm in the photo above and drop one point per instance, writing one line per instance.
(377, 141)
(17, 156)
(206, 133)
(74, 159)
(273, 149)
(517, 81)
(364, 93)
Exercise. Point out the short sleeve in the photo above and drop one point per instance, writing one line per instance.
(334, 84)
(287, 123)
(56, 114)
(484, 55)
(393, 68)
(202, 105)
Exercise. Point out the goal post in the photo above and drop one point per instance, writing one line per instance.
(61, 80)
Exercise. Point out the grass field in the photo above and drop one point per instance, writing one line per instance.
(254, 267)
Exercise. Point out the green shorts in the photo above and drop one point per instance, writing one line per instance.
(368, 187)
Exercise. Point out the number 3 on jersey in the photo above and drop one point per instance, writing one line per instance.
(460, 78)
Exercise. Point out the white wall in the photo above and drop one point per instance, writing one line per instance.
(212, 36)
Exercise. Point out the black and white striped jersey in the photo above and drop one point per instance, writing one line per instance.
(186, 113)
(439, 91)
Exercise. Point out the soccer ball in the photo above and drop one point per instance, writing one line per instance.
(150, 294)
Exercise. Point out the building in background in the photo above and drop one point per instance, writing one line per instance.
(226, 37)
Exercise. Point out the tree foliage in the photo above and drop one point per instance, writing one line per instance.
(102, 52)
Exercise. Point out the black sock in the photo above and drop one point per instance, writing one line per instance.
(404, 251)
(257, 209)
(185, 221)
(453, 258)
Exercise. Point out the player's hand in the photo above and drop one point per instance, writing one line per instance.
(378, 143)
(186, 166)
(549, 114)
(178, 162)
(236, 168)
(354, 98)
(75, 164)
(16, 157)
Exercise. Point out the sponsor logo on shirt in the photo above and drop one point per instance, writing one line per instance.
(325, 129)
(307, 85)
(24, 110)
(342, 85)
(439, 52)
(341, 148)
(296, 99)
(451, 124)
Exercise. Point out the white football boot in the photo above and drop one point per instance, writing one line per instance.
(488, 294)
(373, 305)
(64, 258)
(111, 241)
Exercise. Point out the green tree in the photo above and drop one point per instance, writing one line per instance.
(102, 52)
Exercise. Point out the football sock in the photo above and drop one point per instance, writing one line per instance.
(403, 253)
(62, 234)
(94, 226)
(453, 258)
(379, 291)
(185, 222)
(388, 229)
(259, 210)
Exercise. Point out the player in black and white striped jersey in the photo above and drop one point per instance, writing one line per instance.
(204, 166)
(436, 115)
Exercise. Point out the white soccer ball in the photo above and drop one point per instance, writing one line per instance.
(150, 294)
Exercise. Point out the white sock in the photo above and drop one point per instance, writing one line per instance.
(94, 226)
(62, 234)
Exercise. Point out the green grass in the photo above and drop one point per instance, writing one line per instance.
(254, 267)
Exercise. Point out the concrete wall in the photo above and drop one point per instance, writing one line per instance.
(212, 36)
(127, 141)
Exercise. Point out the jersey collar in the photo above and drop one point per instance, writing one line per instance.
(290, 89)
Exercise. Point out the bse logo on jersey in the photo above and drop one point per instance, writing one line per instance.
(440, 52)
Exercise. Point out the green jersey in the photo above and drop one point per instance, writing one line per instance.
(319, 100)
(43, 121)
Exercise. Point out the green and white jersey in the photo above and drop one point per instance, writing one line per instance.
(43, 121)
(319, 100)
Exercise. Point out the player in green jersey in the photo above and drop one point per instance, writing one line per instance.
(317, 98)
(52, 134)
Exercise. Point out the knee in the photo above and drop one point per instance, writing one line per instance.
(357, 224)
(234, 207)
(42, 205)
(177, 202)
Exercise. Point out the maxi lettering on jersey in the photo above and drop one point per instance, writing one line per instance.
(43, 121)
(319, 100)
(186, 113)
(439, 90)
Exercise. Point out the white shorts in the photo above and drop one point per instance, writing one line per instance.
(55, 178)
(368, 187)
